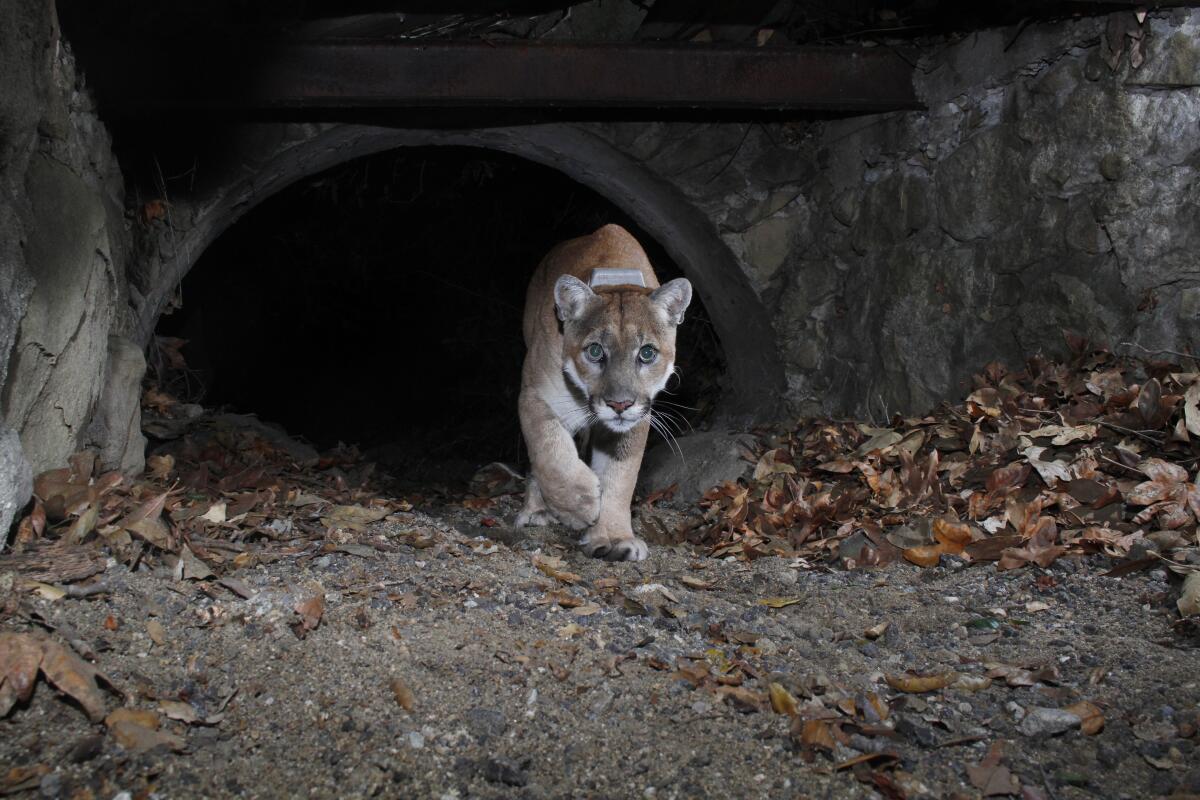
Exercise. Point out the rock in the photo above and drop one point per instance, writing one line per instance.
(62, 343)
(988, 159)
(116, 428)
(769, 242)
(86, 748)
(704, 460)
(1113, 166)
(503, 770)
(16, 479)
(485, 723)
(892, 210)
(1042, 722)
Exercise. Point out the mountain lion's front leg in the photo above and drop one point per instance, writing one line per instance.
(567, 488)
(617, 463)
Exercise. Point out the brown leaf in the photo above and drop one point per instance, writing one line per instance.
(161, 466)
(1191, 408)
(20, 656)
(355, 518)
(553, 567)
(73, 676)
(743, 698)
(20, 779)
(779, 602)
(310, 610)
(693, 582)
(816, 733)
(404, 695)
(782, 701)
(156, 632)
(137, 730)
(917, 684)
(1091, 716)
(953, 536)
(146, 521)
(770, 464)
(1189, 600)
(993, 781)
(926, 555)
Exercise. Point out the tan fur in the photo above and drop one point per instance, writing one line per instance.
(566, 401)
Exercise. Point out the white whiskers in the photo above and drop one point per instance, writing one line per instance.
(658, 422)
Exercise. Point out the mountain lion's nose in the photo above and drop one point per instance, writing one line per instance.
(618, 405)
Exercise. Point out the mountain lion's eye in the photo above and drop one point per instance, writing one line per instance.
(594, 352)
(647, 354)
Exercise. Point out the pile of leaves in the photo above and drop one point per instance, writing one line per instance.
(1097, 454)
(221, 496)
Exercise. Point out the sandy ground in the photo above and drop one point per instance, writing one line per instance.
(613, 680)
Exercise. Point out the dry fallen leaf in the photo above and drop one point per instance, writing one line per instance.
(780, 602)
(1189, 600)
(553, 566)
(20, 658)
(73, 676)
(693, 582)
(917, 684)
(156, 632)
(147, 522)
(1092, 718)
(310, 610)
(926, 555)
(875, 631)
(782, 701)
(137, 730)
(179, 710)
(21, 779)
(355, 518)
(404, 695)
(814, 733)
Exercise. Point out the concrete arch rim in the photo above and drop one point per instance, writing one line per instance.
(755, 381)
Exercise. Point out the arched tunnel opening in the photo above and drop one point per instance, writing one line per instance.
(379, 304)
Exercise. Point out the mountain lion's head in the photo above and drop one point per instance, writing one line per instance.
(619, 344)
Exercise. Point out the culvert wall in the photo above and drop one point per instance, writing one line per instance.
(864, 266)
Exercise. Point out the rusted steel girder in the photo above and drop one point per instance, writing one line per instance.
(381, 75)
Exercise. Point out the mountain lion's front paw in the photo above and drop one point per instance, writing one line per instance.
(599, 544)
(576, 500)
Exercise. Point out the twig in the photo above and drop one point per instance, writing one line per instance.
(732, 155)
(1046, 783)
(1159, 351)
(1122, 466)
(99, 587)
(1132, 432)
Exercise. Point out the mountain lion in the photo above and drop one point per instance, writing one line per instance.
(598, 351)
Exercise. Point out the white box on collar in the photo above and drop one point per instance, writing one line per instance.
(617, 276)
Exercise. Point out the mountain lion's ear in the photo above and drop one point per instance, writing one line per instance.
(673, 297)
(571, 297)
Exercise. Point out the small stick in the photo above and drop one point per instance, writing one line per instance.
(1132, 432)
(1159, 351)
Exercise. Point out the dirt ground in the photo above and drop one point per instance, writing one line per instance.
(452, 660)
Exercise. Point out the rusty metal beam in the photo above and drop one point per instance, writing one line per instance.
(382, 75)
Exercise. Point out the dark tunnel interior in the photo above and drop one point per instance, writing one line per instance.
(379, 304)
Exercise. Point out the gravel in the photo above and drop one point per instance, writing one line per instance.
(516, 696)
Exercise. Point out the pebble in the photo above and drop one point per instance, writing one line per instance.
(1041, 722)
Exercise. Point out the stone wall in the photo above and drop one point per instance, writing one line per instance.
(62, 234)
(1050, 185)
(875, 261)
